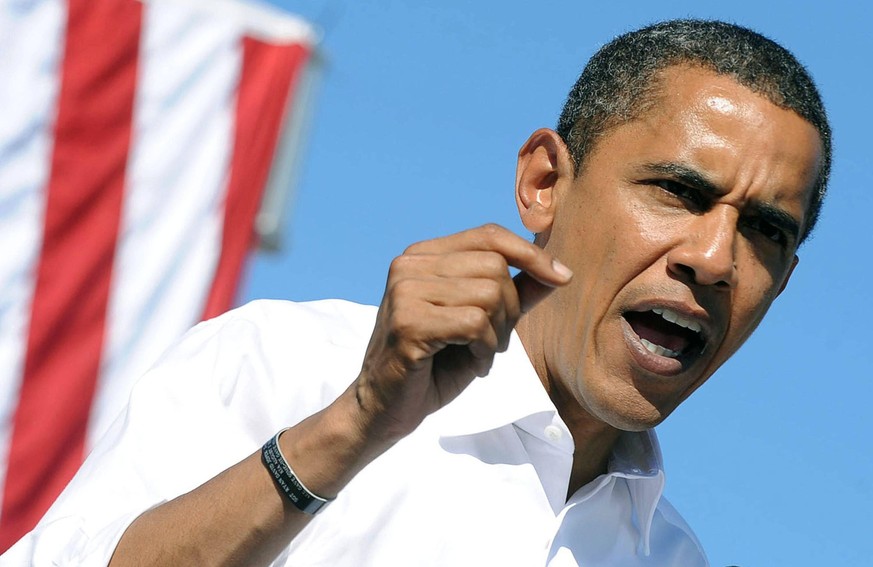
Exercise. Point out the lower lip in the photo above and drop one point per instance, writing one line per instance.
(648, 361)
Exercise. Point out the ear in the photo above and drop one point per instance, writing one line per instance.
(788, 275)
(544, 164)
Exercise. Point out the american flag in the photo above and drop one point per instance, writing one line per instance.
(136, 140)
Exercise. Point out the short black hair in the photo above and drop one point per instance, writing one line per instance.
(618, 83)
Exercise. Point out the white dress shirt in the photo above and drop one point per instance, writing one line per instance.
(481, 482)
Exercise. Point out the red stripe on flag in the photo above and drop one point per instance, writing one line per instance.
(268, 74)
(83, 208)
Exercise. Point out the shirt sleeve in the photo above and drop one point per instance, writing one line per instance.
(212, 400)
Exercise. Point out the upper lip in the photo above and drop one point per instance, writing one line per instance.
(690, 316)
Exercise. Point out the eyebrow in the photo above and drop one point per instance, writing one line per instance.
(770, 213)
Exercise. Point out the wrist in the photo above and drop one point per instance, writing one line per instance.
(327, 449)
(286, 480)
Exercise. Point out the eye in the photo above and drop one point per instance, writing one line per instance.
(768, 230)
(690, 195)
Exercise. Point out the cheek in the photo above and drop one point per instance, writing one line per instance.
(646, 237)
(659, 227)
(752, 300)
(649, 227)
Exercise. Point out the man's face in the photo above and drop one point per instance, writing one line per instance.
(681, 230)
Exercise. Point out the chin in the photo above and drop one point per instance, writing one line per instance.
(635, 414)
(635, 423)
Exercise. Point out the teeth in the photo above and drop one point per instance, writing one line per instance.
(658, 349)
(678, 319)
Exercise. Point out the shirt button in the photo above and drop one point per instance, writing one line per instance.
(553, 433)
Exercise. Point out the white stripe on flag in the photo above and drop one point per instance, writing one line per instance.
(31, 41)
(188, 125)
(177, 177)
(260, 20)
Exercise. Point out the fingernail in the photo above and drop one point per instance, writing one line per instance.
(561, 269)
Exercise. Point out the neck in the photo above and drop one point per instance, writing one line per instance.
(593, 439)
(593, 443)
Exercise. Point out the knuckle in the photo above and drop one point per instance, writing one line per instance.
(395, 268)
(490, 232)
(411, 249)
(399, 265)
(494, 263)
(491, 228)
(476, 321)
(513, 310)
(399, 322)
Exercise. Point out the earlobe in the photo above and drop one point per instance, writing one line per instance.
(788, 275)
(543, 163)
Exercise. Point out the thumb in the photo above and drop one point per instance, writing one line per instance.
(530, 291)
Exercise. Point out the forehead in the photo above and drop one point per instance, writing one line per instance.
(735, 137)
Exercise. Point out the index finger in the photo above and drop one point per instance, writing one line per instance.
(518, 252)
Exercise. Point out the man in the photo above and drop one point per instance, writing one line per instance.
(690, 162)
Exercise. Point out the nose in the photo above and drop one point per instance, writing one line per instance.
(706, 253)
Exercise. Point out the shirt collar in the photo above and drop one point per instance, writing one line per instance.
(513, 394)
(510, 393)
(637, 458)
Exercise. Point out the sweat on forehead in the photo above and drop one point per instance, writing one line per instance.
(621, 79)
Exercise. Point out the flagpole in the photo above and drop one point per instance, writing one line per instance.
(285, 173)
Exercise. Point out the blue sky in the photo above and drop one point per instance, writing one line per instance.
(422, 108)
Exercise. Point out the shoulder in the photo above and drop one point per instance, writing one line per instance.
(335, 320)
(277, 329)
(303, 354)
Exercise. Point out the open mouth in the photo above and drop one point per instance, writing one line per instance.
(666, 333)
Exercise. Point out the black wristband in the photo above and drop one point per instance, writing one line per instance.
(287, 481)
